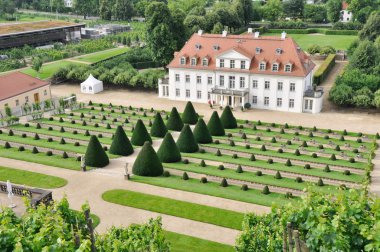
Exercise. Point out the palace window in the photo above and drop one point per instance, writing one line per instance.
(199, 79)
(232, 82)
(242, 82)
(221, 81)
(291, 103)
(17, 102)
(183, 61)
(292, 87)
(205, 62)
(254, 83)
(26, 98)
(209, 80)
(193, 61)
(262, 66)
(288, 68)
(187, 93)
(279, 102)
(242, 64)
(177, 92)
(221, 63)
(279, 86)
(275, 67)
(266, 101)
(187, 78)
(267, 85)
(232, 63)
(254, 99)
(45, 92)
(199, 94)
(177, 79)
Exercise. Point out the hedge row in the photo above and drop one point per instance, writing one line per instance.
(314, 30)
(324, 70)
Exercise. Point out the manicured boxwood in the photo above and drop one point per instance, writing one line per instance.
(215, 126)
(140, 134)
(227, 118)
(201, 133)
(266, 190)
(158, 128)
(185, 176)
(239, 169)
(168, 151)
(120, 143)
(186, 141)
(147, 162)
(95, 155)
(189, 115)
(224, 183)
(323, 71)
(174, 122)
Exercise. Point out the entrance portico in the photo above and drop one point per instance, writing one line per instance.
(232, 98)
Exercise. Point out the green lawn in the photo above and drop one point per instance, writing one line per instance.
(102, 55)
(28, 178)
(48, 69)
(340, 42)
(183, 209)
(213, 189)
(185, 243)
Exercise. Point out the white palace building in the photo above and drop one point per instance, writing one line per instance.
(266, 72)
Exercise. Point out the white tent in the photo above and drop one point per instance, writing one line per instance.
(91, 85)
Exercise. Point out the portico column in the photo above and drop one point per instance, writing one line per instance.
(242, 101)
(233, 101)
(222, 100)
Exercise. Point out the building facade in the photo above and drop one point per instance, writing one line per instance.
(345, 13)
(243, 71)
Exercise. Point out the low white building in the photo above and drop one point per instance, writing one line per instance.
(91, 85)
(243, 70)
(345, 13)
(68, 3)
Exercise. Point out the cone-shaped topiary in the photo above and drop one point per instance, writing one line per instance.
(203, 163)
(168, 151)
(64, 155)
(320, 182)
(252, 158)
(189, 115)
(185, 176)
(35, 150)
(278, 175)
(140, 134)
(266, 190)
(120, 143)
(288, 163)
(147, 162)
(224, 183)
(7, 145)
(218, 153)
(327, 168)
(239, 169)
(333, 157)
(186, 141)
(174, 122)
(201, 132)
(215, 126)
(158, 128)
(227, 118)
(95, 155)
(36, 137)
(87, 133)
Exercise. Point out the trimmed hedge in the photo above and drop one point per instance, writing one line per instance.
(323, 71)
(342, 32)
(215, 126)
(186, 141)
(95, 155)
(158, 128)
(120, 143)
(201, 133)
(147, 162)
(140, 134)
(314, 30)
(189, 115)
(227, 118)
(168, 151)
(174, 122)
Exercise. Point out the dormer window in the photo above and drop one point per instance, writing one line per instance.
(262, 66)
(215, 47)
(278, 51)
(258, 50)
(288, 68)
(193, 61)
(205, 62)
(221, 63)
(275, 67)
(198, 46)
(183, 60)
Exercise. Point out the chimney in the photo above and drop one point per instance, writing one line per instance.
(200, 32)
(283, 35)
(224, 34)
(250, 30)
(257, 34)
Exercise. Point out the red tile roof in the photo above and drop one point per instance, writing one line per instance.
(344, 5)
(246, 45)
(17, 83)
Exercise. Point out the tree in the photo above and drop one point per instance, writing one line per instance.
(84, 7)
(227, 118)
(341, 95)
(333, 10)
(158, 128)
(273, 10)
(201, 133)
(294, 8)
(217, 28)
(189, 115)
(316, 13)
(178, 27)
(168, 151)
(95, 155)
(120, 143)
(7, 7)
(147, 162)
(247, 10)
(123, 9)
(366, 57)
(371, 29)
(140, 134)
(186, 141)
(37, 65)
(175, 122)
(215, 126)
(105, 9)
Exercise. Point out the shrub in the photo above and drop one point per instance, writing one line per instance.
(185, 176)
(314, 155)
(158, 128)
(224, 183)
(333, 157)
(296, 133)
(84, 123)
(270, 161)
(239, 169)
(273, 140)
(95, 155)
(61, 120)
(35, 150)
(326, 137)
(244, 187)
(23, 135)
(216, 142)
(108, 126)
(49, 153)
(327, 168)
(175, 122)
(337, 148)
(10, 133)
(147, 162)
(215, 126)
(87, 133)
(64, 155)
(259, 173)
(252, 158)
(203, 163)
(50, 139)
(76, 144)
(288, 142)
(341, 138)
(263, 148)
(96, 125)
(201, 133)
(227, 118)
(72, 121)
(355, 151)
(297, 152)
(258, 138)
(38, 126)
(347, 172)
(36, 137)
(221, 167)
(189, 115)
(288, 163)
(218, 153)
(232, 143)
(51, 119)
(185, 161)
(202, 151)
(344, 133)
(247, 146)
(282, 131)
(307, 167)
(204, 180)
(299, 180)
(280, 150)
(7, 145)
(311, 134)
(62, 141)
(186, 141)
(320, 147)
(259, 122)
(62, 130)
(21, 148)
(166, 174)
(50, 128)
(266, 190)
(26, 125)
(286, 126)
(320, 182)
(324, 70)
(120, 143)
(234, 156)
(243, 136)
(127, 121)
(100, 135)
(254, 127)
(288, 195)
(278, 175)
(314, 129)
(140, 134)
(359, 140)
(268, 130)
(304, 144)
(352, 160)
